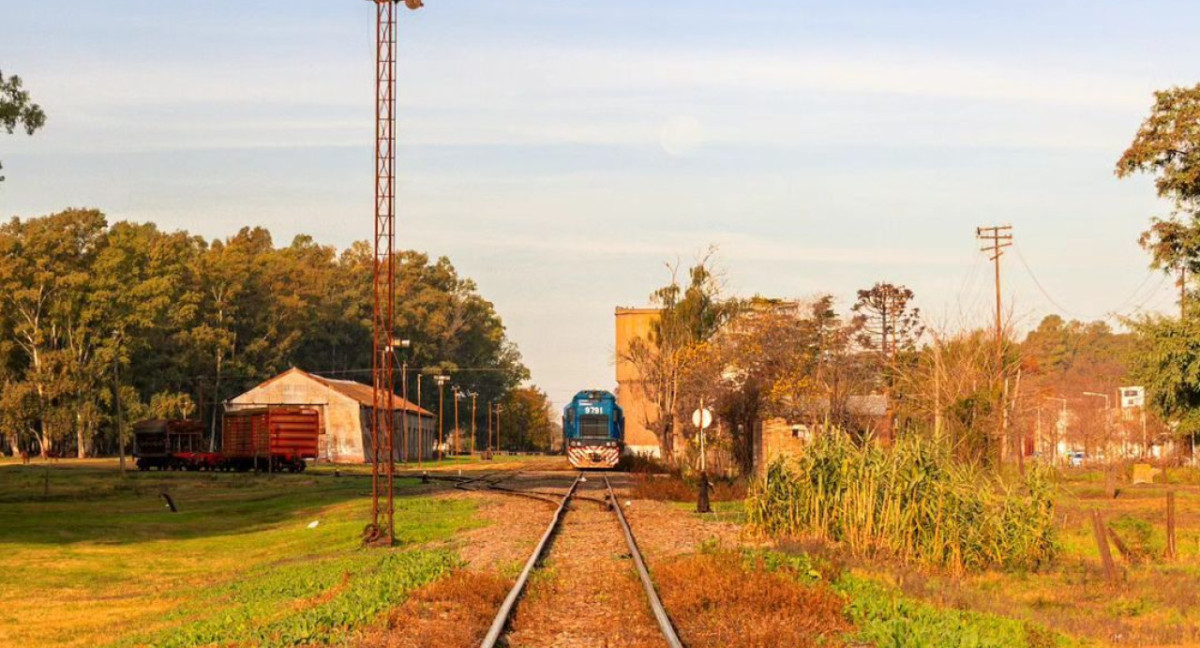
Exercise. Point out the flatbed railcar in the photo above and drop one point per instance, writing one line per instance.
(594, 430)
(265, 439)
(167, 444)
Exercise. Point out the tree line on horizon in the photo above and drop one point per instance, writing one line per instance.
(168, 324)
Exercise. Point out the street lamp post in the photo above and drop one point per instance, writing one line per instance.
(458, 396)
(489, 430)
(441, 382)
(402, 344)
(420, 421)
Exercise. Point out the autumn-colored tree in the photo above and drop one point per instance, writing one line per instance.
(688, 317)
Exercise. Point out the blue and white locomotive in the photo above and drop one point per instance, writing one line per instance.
(594, 430)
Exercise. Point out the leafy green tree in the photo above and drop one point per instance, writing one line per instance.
(17, 110)
(527, 422)
(890, 326)
(1167, 146)
(184, 324)
(1167, 363)
(44, 278)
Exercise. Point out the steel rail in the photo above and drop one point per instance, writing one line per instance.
(506, 609)
(660, 613)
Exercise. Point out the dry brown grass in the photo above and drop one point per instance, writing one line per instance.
(674, 488)
(718, 600)
(451, 612)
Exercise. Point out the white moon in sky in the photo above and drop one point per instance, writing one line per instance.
(680, 135)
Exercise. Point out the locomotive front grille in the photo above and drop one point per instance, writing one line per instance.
(593, 427)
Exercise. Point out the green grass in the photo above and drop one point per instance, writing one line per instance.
(1155, 602)
(888, 619)
(884, 617)
(99, 560)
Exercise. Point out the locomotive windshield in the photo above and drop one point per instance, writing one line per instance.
(593, 426)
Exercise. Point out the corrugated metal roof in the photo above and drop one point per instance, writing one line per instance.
(364, 394)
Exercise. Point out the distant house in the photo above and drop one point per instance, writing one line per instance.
(346, 410)
(779, 437)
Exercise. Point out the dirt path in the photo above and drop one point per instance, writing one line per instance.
(587, 594)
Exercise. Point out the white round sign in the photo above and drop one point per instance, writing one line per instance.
(702, 418)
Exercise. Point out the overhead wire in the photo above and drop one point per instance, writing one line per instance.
(1113, 315)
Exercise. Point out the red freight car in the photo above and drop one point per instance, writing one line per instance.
(274, 438)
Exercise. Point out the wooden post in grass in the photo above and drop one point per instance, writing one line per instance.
(1122, 549)
(1171, 551)
(1110, 569)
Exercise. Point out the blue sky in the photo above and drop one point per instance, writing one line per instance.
(560, 152)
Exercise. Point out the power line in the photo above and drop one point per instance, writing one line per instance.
(1042, 289)
(1113, 314)
(335, 372)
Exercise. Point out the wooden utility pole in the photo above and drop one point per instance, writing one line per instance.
(404, 408)
(499, 408)
(458, 395)
(420, 422)
(1171, 549)
(117, 403)
(996, 238)
(474, 420)
(1098, 529)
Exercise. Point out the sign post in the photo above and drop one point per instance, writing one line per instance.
(1135, 398)
(702, 418)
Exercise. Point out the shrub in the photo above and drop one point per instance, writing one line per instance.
(913, 501)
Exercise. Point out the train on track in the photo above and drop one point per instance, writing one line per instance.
(594, 430)
(273, 439)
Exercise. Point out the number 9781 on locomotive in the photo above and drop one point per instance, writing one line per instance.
(594, 430)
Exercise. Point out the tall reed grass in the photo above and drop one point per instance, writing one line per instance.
(913, 501)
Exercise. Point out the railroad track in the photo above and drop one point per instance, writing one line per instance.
(482, 483)
(505, 613)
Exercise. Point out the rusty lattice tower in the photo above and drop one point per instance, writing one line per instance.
(381, 530)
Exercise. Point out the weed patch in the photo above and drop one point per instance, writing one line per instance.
(332, 597)
(913, 502)
(676, 488)
(723, 598)
(452, 612)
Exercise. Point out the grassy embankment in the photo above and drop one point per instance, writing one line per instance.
(1039, 567)
(91, 559)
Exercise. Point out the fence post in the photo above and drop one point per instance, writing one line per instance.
(1110, 570)
(1171, 551)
